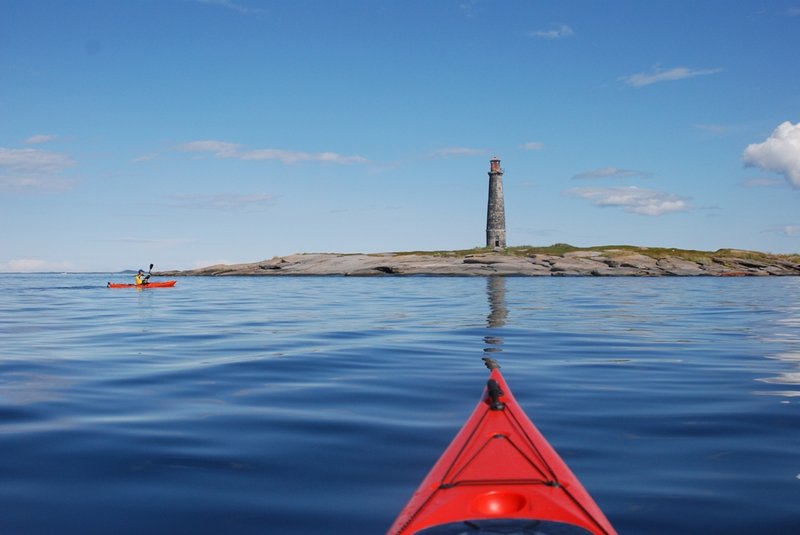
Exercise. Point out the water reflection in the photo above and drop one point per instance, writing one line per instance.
(786, 379)
(789, 379)
(498, 312)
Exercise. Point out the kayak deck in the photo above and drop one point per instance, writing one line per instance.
(158, 284)
(499, 474)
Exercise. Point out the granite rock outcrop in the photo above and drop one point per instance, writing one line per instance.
(605, 262)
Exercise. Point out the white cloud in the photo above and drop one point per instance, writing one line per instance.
(469, 7)
(792, 230)
(556, 32)
(146, 158)
(35, 183)
(762, 182)
(533, 145)
(33, 160)
(634, 200)
(27, 265)
(788, 231)
(611, 172)
(225, 201)
(291, 157)
(41, 138)
(235, 6)
(458, 151)
(222, 149)
(658, 75)
(33, 169)
(780, 153)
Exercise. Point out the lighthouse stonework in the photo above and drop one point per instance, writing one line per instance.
(496, 211)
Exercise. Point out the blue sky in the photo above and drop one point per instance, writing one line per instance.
(192, 132)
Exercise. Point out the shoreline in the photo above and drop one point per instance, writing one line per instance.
(559, 260)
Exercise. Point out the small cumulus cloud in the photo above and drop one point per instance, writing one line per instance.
(780, 153)
(634, 200)
(657, 75)
(223, 149)
(533, 145)
(611, 172)
(556, 31)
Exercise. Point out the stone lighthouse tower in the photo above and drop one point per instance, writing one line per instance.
(496, 211)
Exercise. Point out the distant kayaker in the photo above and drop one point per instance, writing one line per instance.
(142, 278)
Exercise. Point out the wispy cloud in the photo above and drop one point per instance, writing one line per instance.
(458, 151)
(146, 158)
(469, 7)
(793, 11)
(152, 242)
(715, 129)
(225, 201)
(235, 6)
(24, 264)
(611, 172)
(223, 149)
(788, 231)
(557, 31)
(291, 157)
(533, 145)
(34, 170)
(27, 265)
(762, 182)
(34, 160)
(634, 200)
(41, 138)
(780, 153)
(657, 75)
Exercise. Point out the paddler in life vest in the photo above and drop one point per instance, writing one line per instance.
(142, 278)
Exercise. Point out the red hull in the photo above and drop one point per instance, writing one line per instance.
(499, 467)
(162, 284)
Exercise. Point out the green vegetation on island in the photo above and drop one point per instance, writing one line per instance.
(560, 249)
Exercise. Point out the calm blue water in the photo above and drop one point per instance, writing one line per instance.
(316, 405)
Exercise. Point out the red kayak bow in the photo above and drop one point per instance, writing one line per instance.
(500, 475)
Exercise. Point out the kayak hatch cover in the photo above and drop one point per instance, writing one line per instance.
(500, 475)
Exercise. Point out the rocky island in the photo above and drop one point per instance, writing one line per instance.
(556, 260)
